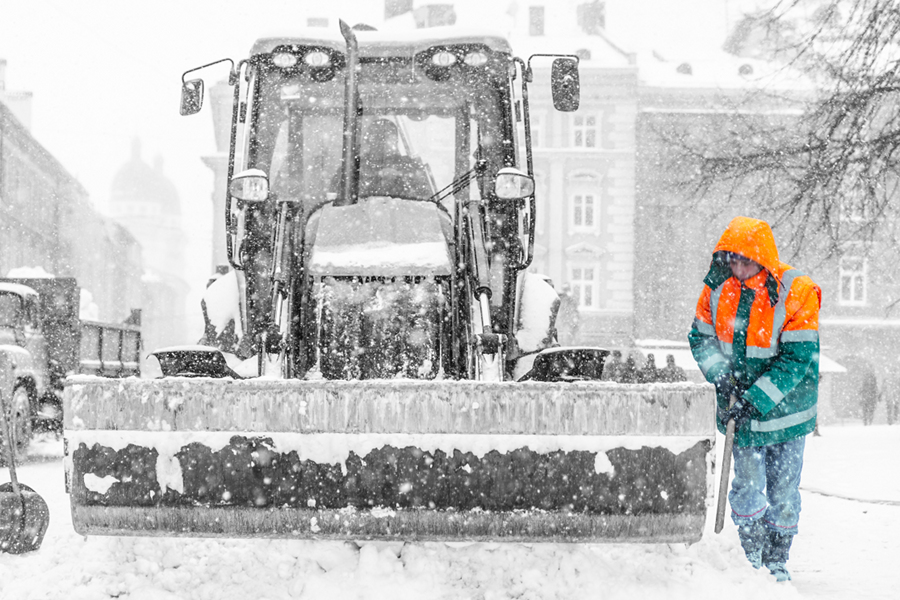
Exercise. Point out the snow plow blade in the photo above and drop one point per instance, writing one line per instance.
(390, 460)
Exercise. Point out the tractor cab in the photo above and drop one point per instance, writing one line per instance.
(345, 148)
(18, 313)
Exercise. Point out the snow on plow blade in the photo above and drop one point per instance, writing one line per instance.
(394, 460)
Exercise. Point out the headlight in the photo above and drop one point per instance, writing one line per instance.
(251, 185)
(317, 58)
(512, 184)
(443, 59)
(284, 59)
(475, 59)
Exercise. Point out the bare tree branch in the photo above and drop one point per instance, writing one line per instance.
(829, 173)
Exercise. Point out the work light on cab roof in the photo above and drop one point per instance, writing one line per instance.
(284, 59)
(317, 58)
(475, 59)
(443, 59)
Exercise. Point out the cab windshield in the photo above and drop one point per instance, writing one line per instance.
(10, 310)
(417, 135)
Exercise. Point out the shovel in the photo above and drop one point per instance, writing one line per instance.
(726, 469)
(24, 515)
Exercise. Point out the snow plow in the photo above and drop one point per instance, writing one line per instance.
(378, 363)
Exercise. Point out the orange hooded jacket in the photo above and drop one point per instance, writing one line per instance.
(775, 357)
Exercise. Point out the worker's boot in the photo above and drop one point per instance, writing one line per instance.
(754, 538)
(775, 554)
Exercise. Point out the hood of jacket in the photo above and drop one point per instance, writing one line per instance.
(751, 238)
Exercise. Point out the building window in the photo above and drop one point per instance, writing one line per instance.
(585, 131)
(393, 8)
(538, 136)
(540, 195)
(434, 15)
(584, 280)
(853, 280)
(535, 20)
(853, 199)
(584, 203)
(591, 17)
(584, 211)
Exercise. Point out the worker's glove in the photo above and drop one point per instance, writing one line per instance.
(740, 412)
(726, 385)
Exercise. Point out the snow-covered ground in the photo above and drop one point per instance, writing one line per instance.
(848, 548)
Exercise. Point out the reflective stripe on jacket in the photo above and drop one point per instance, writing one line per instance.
(764, 331)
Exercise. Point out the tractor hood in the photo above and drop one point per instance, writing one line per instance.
(380, 237)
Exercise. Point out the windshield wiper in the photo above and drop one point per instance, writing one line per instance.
(460, 183)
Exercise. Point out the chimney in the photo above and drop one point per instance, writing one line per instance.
(17, 102)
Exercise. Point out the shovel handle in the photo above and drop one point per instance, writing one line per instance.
(725, 471)
(8, 430)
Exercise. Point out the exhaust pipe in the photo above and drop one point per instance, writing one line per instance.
(350, 173)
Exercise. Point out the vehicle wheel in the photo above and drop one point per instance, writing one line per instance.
(21, 419)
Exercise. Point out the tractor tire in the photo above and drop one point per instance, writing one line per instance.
(21, 423)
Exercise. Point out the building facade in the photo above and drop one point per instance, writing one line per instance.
(47, 220)
(679, 227)
(584, 165)
(618, 233)
(146, 203)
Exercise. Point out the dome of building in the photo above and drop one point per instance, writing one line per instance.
(136, 182)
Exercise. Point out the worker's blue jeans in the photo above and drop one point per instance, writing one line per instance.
(766, 485)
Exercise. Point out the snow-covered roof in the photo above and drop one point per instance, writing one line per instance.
(603, 52)
(684, 358)
(380, 236)
(17, 288)
(859, 322)
(386, 43)
(29, 272)
(717, 69)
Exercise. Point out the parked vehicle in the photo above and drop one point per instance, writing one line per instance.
(41, 331)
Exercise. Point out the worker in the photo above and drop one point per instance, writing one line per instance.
(671, 372)
(755, 337)
(892, 399)
(383, 170)
(649, 373)
(869, 395)
(612, 368)
(629, 372)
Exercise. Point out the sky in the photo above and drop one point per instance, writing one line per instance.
(105, 72)
(847, 548)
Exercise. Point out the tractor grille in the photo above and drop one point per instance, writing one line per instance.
(381, 328)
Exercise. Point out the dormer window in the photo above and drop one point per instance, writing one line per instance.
(535, 20)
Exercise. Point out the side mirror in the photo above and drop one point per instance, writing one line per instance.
(513, 184)
(251, 185)
(565, 84)
(191, 96)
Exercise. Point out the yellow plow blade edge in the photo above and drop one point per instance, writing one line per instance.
(390, 460)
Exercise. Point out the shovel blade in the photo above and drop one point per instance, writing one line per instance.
(23, 519)
(409, 460)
